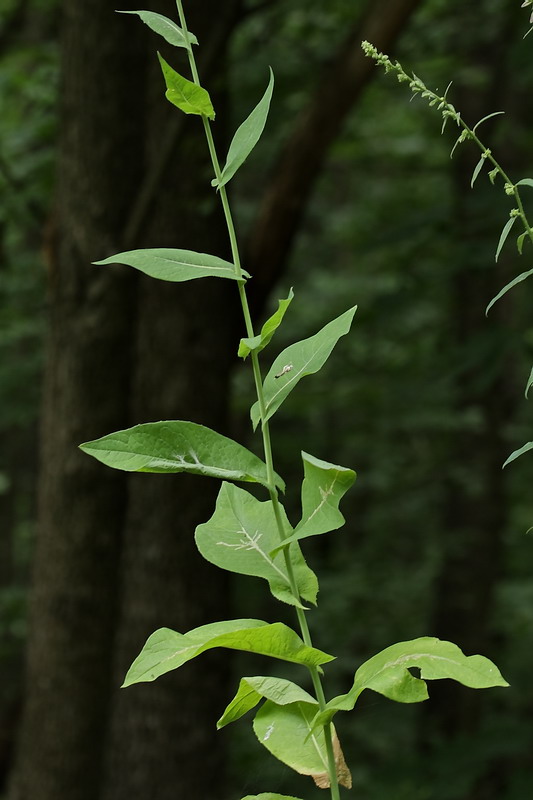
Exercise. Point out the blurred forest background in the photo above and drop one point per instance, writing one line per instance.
(351, 198)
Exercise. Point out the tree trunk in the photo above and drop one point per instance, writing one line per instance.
(81, 506)
(163, 741)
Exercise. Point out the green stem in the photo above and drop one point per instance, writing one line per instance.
(265, 429)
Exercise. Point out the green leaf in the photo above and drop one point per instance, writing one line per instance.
(166, 650)
(286, 731)
(323, 487)
(300, 359)
(520, 242)
(460, 139)
(388, 673)
(506, 288)
(529, 383)
(164, 27)
(184, 94)
(267, 331)
(252, 690)
(525, 182)
(504, 234)
(489, 116)
(174, 265)
(239, 537)
(517, 453)
(477, 170)
(247, 136)
(177, 446)
(269, 796)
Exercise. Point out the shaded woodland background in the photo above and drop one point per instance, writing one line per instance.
(351, 198)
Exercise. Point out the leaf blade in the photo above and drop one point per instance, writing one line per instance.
(175, 266)
(489, 116)
(267, 331)
(504, 234)
(525, 182)
(388, 673)
(184, 94)
(252, 690)
(239, 537)
(517, 453)
(165, 27)
(269, 796)
(287, 733)
(166, 650)
(247, 136)
(529, 384)
(178, 446)
(520, 242)
(323, 487)
(477, 170)
(510, 285)
(304, 358)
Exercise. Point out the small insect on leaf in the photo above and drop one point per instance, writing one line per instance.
(286, 368)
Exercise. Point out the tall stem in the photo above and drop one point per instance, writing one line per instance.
(265, 429)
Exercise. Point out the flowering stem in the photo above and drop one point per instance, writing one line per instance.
(449, 111)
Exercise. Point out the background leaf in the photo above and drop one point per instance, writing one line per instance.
(178, 446)
(485, 118)
(529, 383)
(240, 536)
(323, 487)
(252, 690)
(504, 234)
(525, 182)
(306, 358)
(286, 731)
(167, 264)
(477, 170)
(184, 94)
(164, 27)
(517, 453)
(520, 242)
(166, 650)
(267, 331)
(247, 136)
(506, 288)
(388, 673)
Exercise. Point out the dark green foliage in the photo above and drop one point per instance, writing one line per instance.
(382, 225)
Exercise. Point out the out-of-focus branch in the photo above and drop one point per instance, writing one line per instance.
(302, 156)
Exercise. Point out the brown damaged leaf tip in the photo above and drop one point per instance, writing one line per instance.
(344, 776)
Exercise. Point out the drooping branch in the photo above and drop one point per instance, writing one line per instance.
(316, 128)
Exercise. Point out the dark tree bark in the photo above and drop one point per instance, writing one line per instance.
(85, 394)
(163, 740)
